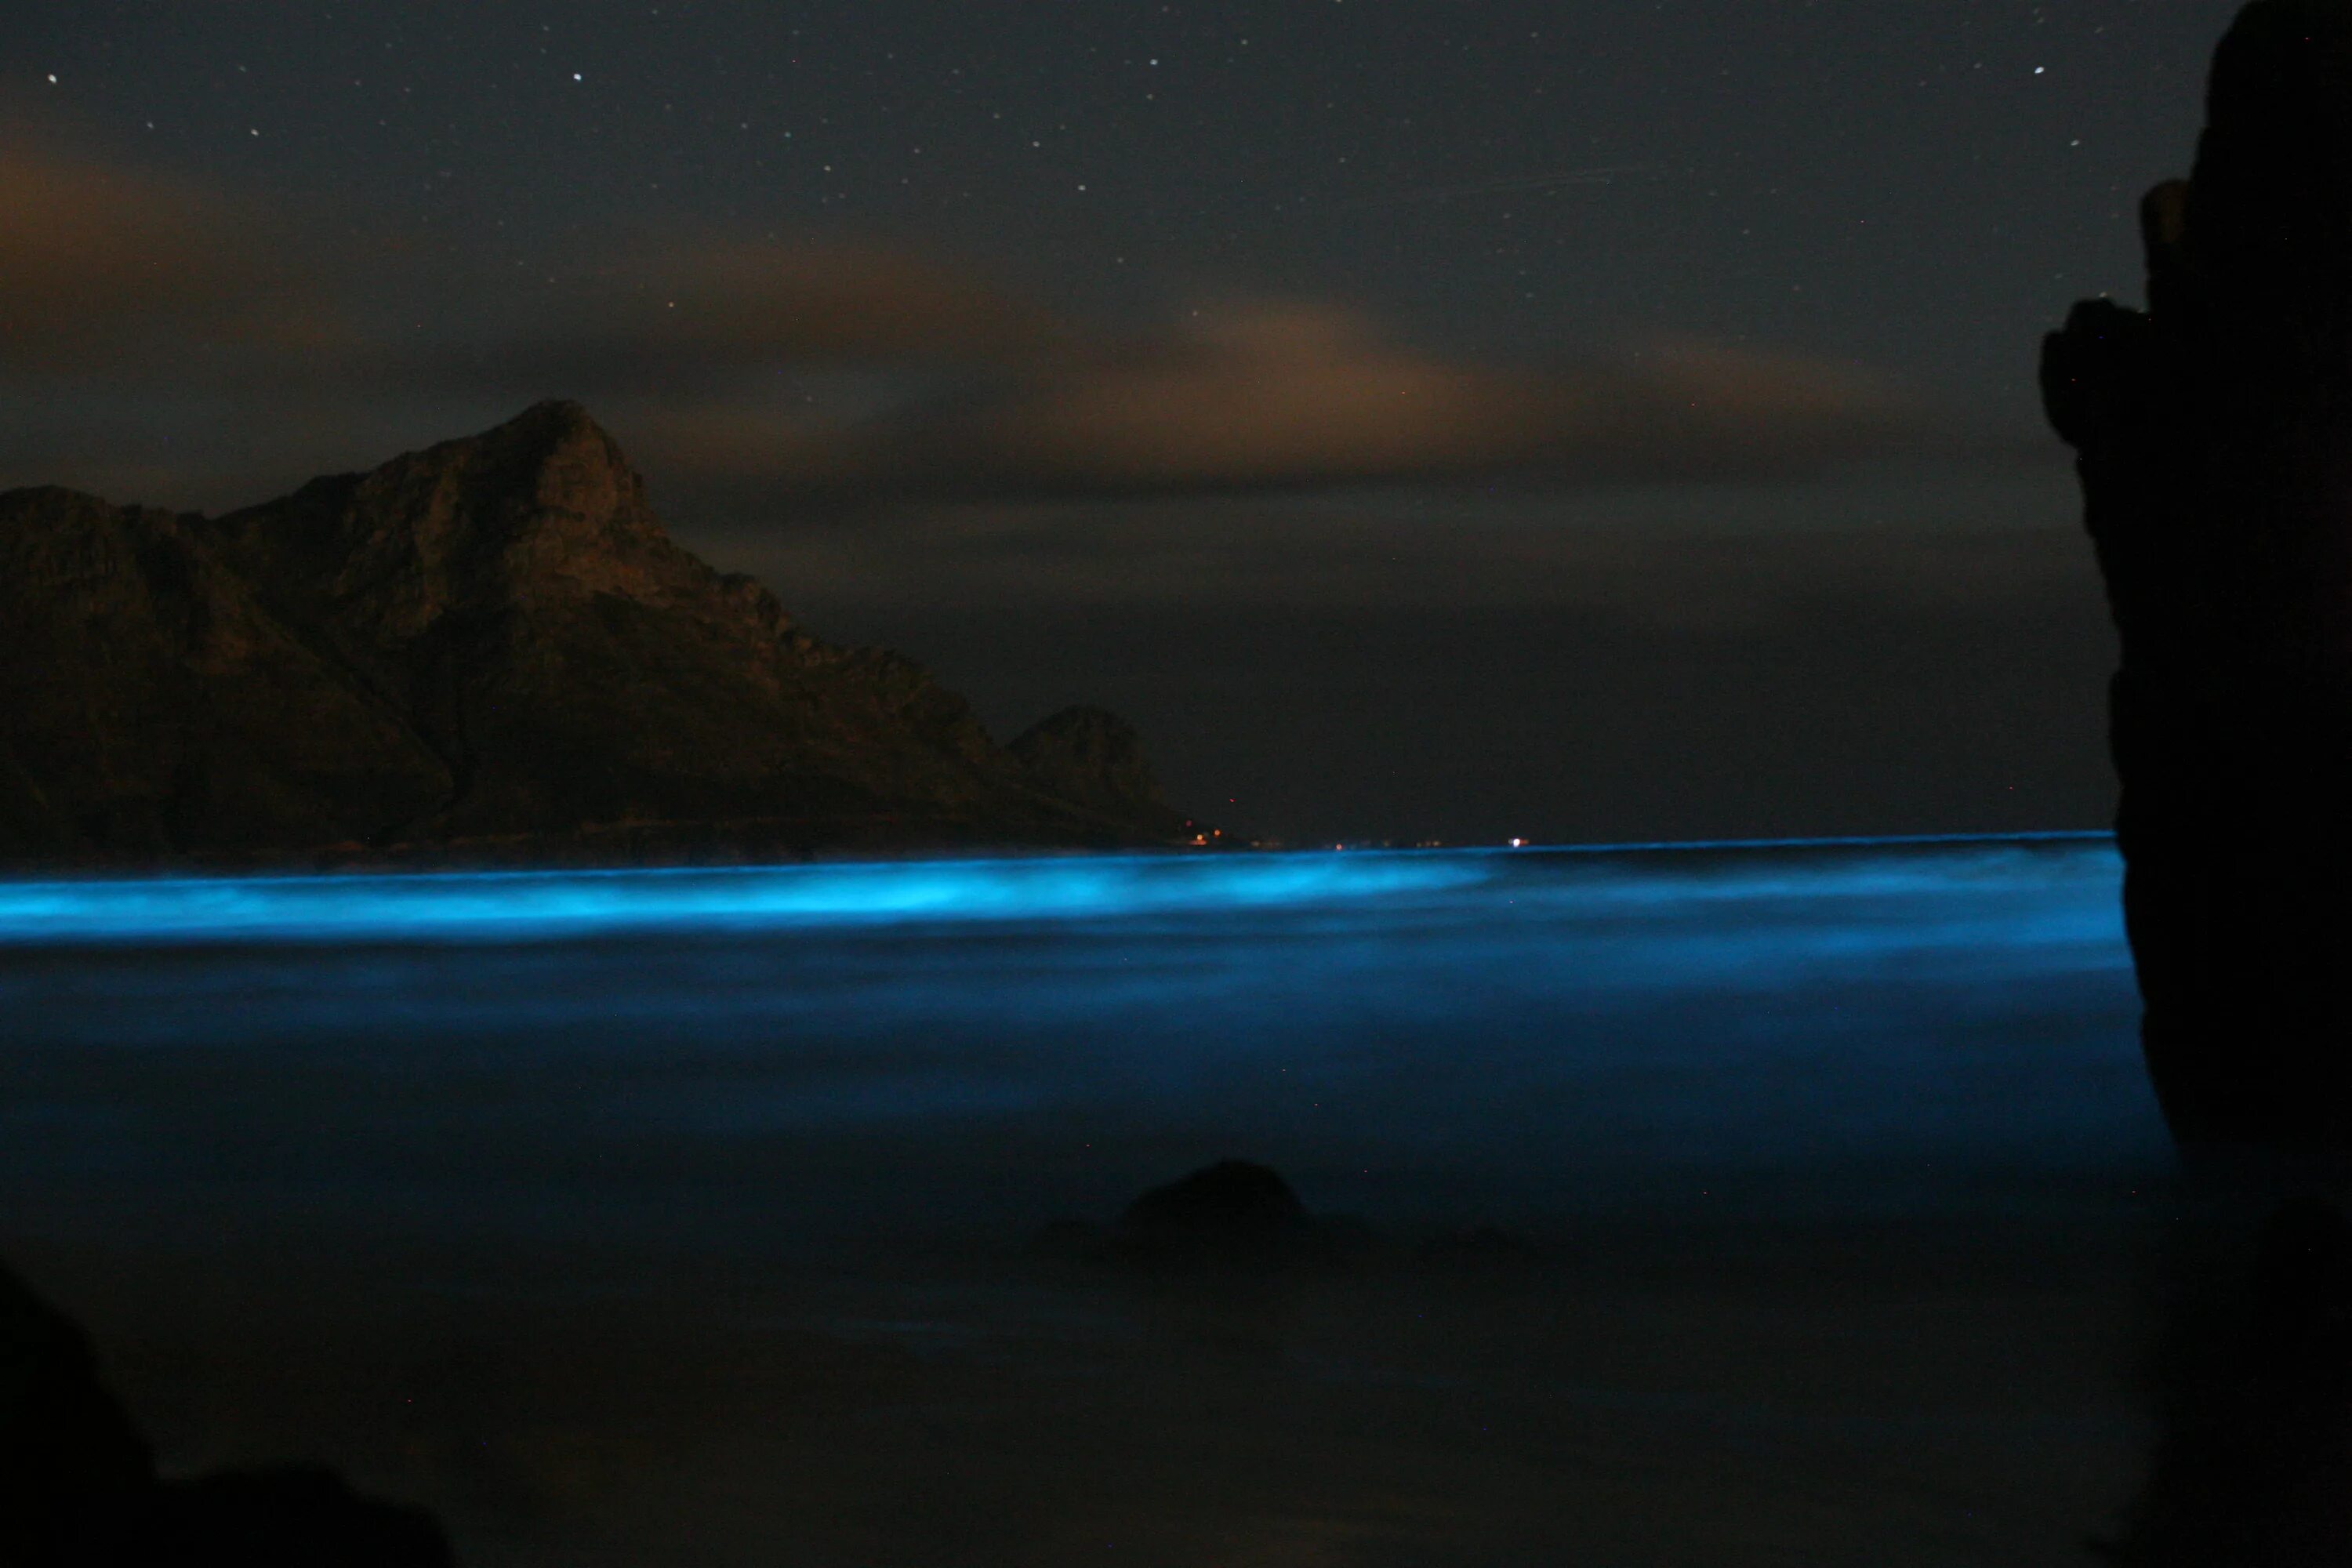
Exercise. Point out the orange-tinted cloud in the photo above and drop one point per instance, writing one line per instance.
(685, 321)
(1681, 406)
(834, 304)
(1276, 396)
(705, 355)
(1270, 396)
(98, 262)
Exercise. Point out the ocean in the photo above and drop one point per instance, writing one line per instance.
(604, 1210)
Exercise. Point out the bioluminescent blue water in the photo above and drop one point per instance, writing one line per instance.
(557, 905)
(978, 1046)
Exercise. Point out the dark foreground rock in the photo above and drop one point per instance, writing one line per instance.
(2215, 439)
(292, 1518)
(487, 650)
(79, 1487)
(1232, 1208)
(2252, 1381)
(74, 1474)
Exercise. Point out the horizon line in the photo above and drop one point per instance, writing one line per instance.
(1832, 841)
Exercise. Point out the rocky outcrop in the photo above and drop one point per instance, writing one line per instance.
(150, 705)
(487, 649)
(1094, 757)
(1233, 1216)
(79, 1487)
(2214, 431)
(1234, 1205)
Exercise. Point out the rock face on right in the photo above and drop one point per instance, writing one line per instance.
(2214, 432)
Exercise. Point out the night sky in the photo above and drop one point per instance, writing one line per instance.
(1569, 420)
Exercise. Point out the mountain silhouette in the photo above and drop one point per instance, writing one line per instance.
(487, 650)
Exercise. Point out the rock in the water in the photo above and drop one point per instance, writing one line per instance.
(487, 649)
(2214, 432)
(1233, 1210)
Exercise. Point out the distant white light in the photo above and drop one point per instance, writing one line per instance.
(53, 78)
(1519, 844)
(577, 77)
(2037, 69)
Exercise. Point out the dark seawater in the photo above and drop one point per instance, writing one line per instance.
(610, 1212)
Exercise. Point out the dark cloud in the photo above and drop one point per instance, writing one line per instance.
(839, 303)
(1293, 395)
(698, 322)
(750, 375)
(1690, 555)
(1270, 396)
(100, 263)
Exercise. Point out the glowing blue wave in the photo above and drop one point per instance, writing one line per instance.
(534, 906)
(554, 905)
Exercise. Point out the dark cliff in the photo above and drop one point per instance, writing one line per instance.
(1094, 757)
(489, 649)
(2215, 439)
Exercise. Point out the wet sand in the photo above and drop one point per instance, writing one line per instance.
(1853, 1393)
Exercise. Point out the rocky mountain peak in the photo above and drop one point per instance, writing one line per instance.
(1092, 755)
(545, 503)
(493, 643)
(549, 463)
